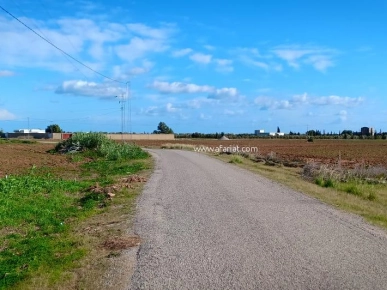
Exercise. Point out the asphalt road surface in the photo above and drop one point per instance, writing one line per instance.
(206, 224)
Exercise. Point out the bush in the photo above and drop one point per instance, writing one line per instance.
(101, 146)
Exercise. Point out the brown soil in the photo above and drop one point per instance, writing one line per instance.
(349, 152)
(19, 158)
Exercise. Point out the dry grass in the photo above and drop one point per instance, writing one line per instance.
(373, 210)
(178, 146)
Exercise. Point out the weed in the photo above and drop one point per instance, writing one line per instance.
(371, 196)
(353, 189)
(329, 183)
(319, 181)
(236, 160)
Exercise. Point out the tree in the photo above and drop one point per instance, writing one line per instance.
(53, 128)
(162, 128)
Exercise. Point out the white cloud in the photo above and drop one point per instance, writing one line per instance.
(224, 93)
(139, 47)
(178, 87)
(250, 59)
(209, 47)
(201, 58)
(6, 115)
(205, 117)
(343, 115)
(94, 43)
(198, 102)
(224, 65)
(89, 89)
(228, 112)
(294, 55)
(266, 103)
(337, 100)
(182, 52)
(151, 111)
(149, 32)
(6, 73)
(230, 94)
(171, 109)
(127, 72)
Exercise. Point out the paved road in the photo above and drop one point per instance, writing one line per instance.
(206, 224)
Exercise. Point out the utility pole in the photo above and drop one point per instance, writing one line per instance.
(122, 102)
(28, 132)
(130, 108)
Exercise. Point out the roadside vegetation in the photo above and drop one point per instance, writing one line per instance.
(54, 224)
(361, 190)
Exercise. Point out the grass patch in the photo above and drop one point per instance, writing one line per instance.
(236, 159)
(40, 241)
(16, 141)
(353, 189)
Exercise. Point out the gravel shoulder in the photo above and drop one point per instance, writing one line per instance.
(206, 224)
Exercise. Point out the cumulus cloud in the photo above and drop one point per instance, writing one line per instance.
(89, 89)
(6, 73)
(6, 115)
(201, 58)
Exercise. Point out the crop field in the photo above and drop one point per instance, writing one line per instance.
(349, 152)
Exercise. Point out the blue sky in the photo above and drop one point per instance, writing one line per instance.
(206, 66)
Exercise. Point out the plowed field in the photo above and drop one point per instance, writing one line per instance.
(350, 152)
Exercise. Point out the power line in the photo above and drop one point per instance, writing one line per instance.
(58, 48)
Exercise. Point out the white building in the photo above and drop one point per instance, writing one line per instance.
(27, 131)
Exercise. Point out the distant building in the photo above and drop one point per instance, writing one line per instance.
(367, 131)
(260, 133)
(26, 131)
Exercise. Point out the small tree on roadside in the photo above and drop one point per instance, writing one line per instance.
(53, 128)
(162, 128)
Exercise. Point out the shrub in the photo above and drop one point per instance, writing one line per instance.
(101, 146)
